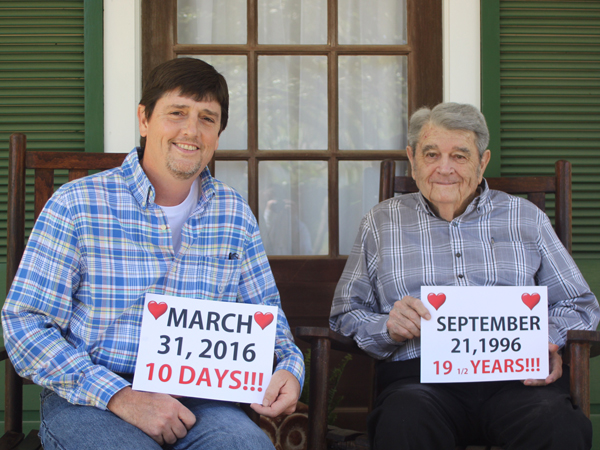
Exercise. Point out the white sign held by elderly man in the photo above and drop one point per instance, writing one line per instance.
(484, 333)
(206, 349)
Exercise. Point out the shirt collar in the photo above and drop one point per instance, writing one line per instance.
(143, 191)
(480, 203)
(207, 187)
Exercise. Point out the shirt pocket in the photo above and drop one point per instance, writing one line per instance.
(218, 278)
(516, 262)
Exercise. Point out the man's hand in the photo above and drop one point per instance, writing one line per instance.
(281, 395)
(405, 319)
(160, 416)
(555, 361)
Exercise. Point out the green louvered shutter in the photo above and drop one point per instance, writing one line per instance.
(550, 101)
(51, 90)
(42, 83)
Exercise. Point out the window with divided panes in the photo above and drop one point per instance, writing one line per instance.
(320, 93)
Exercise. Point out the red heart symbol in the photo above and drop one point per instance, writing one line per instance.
(436, 300)
(157, 309)
(263, 320)
(531, 300)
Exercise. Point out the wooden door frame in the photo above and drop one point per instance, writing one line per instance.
(307, 283)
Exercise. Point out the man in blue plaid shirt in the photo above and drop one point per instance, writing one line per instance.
(162, 224)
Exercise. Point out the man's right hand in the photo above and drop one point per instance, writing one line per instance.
(160, 416)
(404, 321)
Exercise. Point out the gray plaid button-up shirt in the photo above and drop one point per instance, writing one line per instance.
(500, 240)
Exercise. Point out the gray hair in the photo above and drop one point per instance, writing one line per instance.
(451, 116)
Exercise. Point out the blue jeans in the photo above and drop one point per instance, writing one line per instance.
(219, 426)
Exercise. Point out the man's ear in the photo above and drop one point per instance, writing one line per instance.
(485, 159)
(142, 120)
(411, 158)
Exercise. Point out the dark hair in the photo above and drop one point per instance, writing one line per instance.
(193, 78)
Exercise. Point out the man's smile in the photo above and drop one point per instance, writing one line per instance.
(186, 147)
(445, 183)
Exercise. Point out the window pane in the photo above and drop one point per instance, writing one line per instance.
(373, 107)
(359, 192)
(292, 103)
(234, 69)
(295, 22)
(233, 174)
(292, 207)
(381, 22)
(211, 22)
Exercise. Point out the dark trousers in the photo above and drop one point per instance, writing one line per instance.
(411, 415)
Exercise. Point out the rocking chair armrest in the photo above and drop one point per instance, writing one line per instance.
(581, 346)
(321, 340)
(336, 340)
(578, 337)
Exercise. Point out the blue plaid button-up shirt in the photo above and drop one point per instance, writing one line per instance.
(500, 240)
(72, 317)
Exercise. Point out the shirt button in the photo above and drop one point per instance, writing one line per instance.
(461, 276)
(163, 227)
(458, 255)
(221, 288)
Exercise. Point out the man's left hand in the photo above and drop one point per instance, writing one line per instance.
(281, 395)
(555, 361)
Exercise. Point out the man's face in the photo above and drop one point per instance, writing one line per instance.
(447, 168)
(181, 136)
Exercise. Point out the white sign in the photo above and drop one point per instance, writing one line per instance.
(206, 349)
(484, 333)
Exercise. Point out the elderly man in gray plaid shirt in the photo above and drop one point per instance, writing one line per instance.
(457, 232)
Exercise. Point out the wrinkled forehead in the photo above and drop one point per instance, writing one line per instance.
(437, 137)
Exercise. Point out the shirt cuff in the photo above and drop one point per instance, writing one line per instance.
(295, 365)
(97, 386)
(388, 343)
(555, 336)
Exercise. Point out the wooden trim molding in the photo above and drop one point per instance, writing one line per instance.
(159, 33)
(423, 50)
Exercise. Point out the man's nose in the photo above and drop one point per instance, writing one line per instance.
(190, 127)
(445, 165)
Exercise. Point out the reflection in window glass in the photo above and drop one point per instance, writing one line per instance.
(234, 69)
(292, 22)
(359, 192)
(234, 174)
(292, 207)
(292, 103)
(381, 22)
(211, 22)
(373, 102)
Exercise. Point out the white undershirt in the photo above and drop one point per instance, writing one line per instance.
(178, 215)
